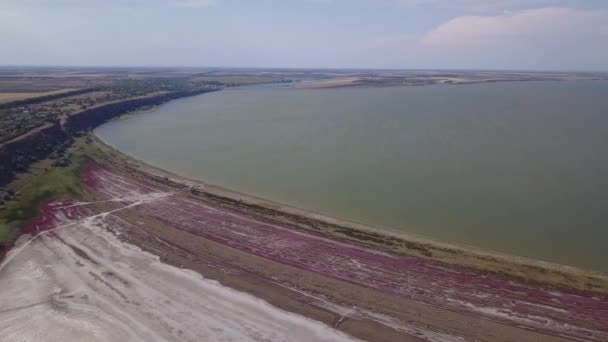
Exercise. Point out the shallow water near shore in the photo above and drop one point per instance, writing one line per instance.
(515, 167)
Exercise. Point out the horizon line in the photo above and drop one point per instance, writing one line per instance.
(296, 68)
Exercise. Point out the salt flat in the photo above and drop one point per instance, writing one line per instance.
(81, 283)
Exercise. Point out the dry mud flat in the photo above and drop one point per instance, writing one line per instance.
(91, 274)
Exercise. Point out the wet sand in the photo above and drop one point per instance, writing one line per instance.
(364, 282)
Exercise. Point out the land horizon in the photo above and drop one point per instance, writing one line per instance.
(298, 68)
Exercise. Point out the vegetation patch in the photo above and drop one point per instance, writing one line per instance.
(55, 183)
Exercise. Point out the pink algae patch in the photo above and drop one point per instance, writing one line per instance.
(44, 221)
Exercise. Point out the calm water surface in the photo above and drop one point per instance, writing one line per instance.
(515, 167)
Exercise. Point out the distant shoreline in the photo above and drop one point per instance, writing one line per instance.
(425, 80)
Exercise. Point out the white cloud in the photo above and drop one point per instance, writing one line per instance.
(481, 6)
(543, 37)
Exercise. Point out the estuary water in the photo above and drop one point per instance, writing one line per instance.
(516, 167)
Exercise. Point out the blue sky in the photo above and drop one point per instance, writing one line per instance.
(411, 34)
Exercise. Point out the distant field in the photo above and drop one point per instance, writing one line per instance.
(8, 97)
(330, 83)
(238, 79)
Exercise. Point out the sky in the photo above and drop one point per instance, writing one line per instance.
(403, 34)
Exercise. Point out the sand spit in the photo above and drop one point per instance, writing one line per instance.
(76, 281)
(330, 83)
(558, 312)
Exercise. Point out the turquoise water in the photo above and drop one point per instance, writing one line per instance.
(516, 167)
